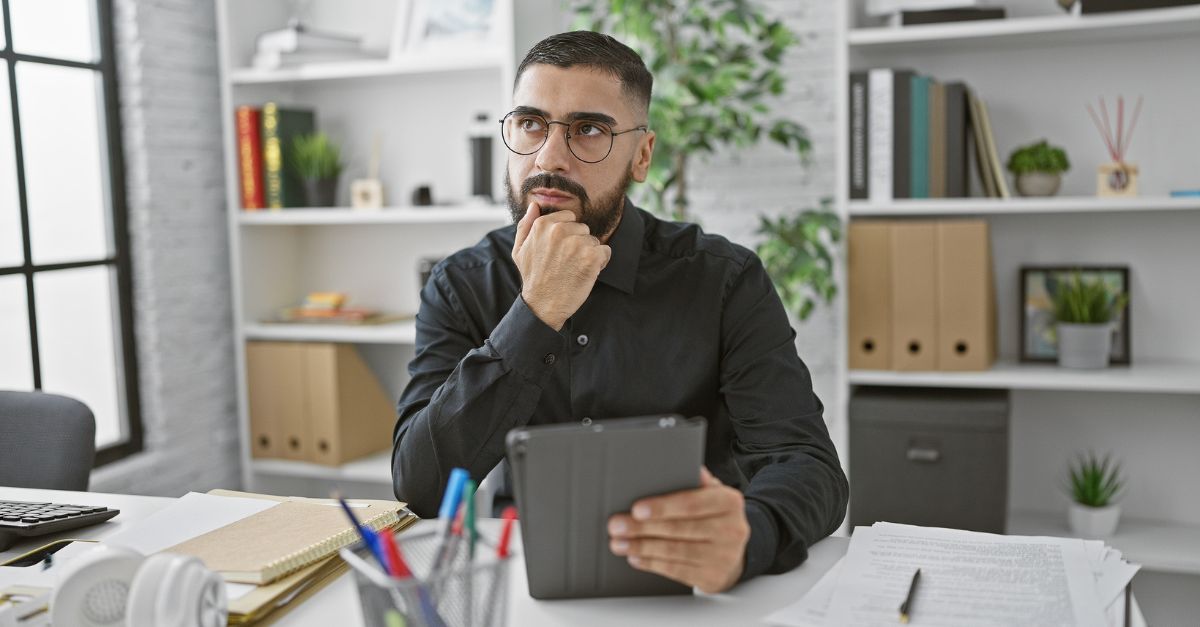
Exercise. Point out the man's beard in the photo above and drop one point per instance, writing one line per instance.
(600, 215)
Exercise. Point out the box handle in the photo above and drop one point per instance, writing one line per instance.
(924, 455)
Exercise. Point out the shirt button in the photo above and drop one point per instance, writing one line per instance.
(548, 359)
(582, 339)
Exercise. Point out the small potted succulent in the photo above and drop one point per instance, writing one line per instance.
(1085, 312)
(318, 163)
(1095, 484)
(1038, 168)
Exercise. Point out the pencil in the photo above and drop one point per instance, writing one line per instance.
(906, 606)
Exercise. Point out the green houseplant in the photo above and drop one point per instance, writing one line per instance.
(1084, 311)
(716, 66)
(318, 163)
(1038, 168)
(1095, 484)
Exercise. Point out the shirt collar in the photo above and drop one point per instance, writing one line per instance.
(626, 244)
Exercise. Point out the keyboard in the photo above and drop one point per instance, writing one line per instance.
(20, 520)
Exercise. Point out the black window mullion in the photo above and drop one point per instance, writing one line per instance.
(22, 199)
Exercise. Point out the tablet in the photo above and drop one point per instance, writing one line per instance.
(568, 480)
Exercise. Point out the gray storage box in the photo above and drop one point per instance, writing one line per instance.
(934, 457)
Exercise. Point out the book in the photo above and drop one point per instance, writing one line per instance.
(879, 135)
(902, 133)
(1108, 6)
(887, 7)
(279, 127)
(981, 152)
(993, 157)
(918, 169)
(285, 538)
(859, 150)
(937, 140)
(939, 16)
(955, 108)
(298, 38)
(250, 169)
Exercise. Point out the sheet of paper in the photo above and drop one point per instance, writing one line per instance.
(811, 610)
(192, 515)
(967, 579)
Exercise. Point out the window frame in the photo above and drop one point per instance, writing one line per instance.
(117, 219)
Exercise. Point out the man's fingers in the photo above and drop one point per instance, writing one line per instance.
(688, 552)
(622, 526)
(532, 212)
(707, 501)
(707, 478)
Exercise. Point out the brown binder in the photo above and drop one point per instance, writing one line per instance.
(273, 376)
(966, 306)
(869, 294)
(914, 295)
(349, 413)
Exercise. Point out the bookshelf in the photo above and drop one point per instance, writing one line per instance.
(1036, 70)
(419, 107)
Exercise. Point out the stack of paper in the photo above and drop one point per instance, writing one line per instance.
(968, 579)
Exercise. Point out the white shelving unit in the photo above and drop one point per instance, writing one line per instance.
(420, 108)
(1036, 70)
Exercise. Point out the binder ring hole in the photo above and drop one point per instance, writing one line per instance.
(264, 441)
(323, 445)
(869, 346)
(914, 347)
(294, 443)
(960, 347)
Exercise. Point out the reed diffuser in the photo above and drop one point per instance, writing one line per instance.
(1118, 177)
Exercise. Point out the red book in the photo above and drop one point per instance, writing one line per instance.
(250, 170)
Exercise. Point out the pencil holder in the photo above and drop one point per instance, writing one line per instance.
(466, 593)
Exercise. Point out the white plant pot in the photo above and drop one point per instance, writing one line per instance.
(1084, 345)
(1093, 522)
(1038, 183)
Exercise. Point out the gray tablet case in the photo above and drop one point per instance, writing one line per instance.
(568, 480)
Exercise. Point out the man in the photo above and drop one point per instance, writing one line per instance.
(592, 308)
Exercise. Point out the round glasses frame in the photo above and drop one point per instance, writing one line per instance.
(546, 134)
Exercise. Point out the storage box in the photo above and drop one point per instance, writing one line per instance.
(316, 402)
(934, 457)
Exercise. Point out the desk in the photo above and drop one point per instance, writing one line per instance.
(337, 604)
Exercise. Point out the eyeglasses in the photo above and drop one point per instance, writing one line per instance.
(589, 140)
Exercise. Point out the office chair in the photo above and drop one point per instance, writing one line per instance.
(46, 441)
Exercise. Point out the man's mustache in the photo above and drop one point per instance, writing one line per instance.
(549, 180)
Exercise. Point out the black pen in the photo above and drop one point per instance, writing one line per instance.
(906, 606)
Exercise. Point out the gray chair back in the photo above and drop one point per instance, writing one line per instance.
(46, 441)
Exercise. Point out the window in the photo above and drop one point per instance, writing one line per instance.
(65, 314)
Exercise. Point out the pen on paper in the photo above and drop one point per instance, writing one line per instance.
(906, 606)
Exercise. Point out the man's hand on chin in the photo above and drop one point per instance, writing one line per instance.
(697, 537)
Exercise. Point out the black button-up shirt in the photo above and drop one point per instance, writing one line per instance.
(679, 322)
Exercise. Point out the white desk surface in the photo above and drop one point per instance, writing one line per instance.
(337, 604)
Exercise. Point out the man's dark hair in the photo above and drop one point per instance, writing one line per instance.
(597, 50)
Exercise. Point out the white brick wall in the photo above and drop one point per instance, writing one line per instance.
(167, 74)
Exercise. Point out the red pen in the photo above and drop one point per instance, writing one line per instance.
(391, 550)
(510, 514)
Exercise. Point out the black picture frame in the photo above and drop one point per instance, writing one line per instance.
(1037, 341)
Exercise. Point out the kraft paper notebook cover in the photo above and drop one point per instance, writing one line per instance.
(283, 539)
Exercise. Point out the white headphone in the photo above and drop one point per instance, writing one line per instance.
(118, 587)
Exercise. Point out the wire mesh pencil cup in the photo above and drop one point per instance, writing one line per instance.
(466, 593)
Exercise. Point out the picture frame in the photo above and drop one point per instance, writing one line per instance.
(1037, 332)
(452, 25)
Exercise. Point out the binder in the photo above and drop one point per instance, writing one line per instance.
(966, 307)
(869, 289)
(914, 295)
(349, 414)
(273, 374)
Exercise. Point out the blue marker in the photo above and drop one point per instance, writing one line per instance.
(369, 537)
(449, 509)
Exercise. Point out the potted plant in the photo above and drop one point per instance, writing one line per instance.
(1095, 484)
(1084, 312)
(318, 163)
(717, 68)
(1038, 168)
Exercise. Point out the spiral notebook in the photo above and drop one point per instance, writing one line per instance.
(285, 538)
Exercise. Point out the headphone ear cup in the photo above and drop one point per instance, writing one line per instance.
(93, 588)
(174, 590)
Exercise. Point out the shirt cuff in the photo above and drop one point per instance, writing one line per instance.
(760, 549)
(525, 343)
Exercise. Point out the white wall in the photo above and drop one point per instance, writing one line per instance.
(170, 108)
